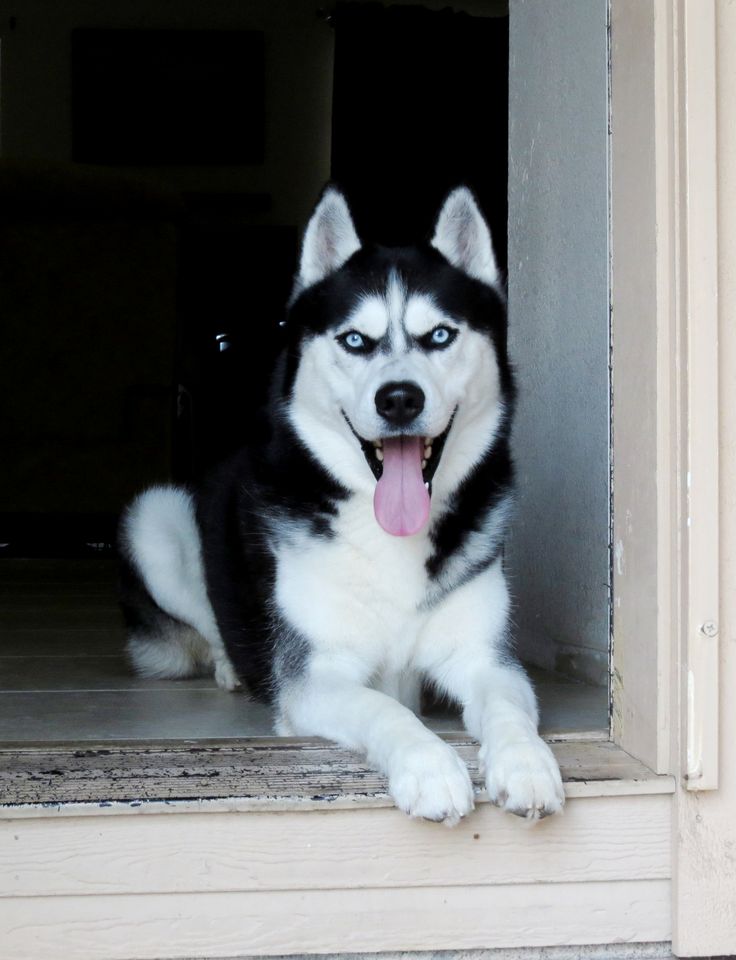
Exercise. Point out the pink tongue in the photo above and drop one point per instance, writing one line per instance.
(401, 501)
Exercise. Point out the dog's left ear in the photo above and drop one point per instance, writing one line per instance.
(462, 236)
(329, 240)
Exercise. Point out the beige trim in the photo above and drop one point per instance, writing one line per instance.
(704, 828)
(643, 396)
(364, 880)
(671, 97)
(665, 384)
(300, 922)
(700, 299)
(345, 849)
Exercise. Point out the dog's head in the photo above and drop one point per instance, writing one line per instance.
(398, 375)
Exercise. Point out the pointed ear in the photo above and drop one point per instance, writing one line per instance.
(329, 240)
(462, 236)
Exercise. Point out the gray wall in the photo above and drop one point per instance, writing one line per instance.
(559, 333)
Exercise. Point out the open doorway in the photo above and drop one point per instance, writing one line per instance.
(192, 262)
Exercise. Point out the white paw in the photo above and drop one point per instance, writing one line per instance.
(432, 782)
(524, 779)
(225, 677)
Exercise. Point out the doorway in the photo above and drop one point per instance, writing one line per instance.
(229, 234)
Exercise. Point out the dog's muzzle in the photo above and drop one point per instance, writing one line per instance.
(404, 465)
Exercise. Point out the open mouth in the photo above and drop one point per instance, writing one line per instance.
(404, 466)
(430, 448)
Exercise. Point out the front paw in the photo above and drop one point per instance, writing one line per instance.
(432, 782)
(524, 779)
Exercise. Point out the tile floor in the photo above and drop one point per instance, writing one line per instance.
(63, 675)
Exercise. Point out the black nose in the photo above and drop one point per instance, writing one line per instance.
(400, 403)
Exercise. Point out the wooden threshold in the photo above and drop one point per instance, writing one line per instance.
(256, 774)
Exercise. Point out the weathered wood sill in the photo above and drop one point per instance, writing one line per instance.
(263, 774)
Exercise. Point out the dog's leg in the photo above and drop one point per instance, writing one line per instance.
(521, 772)
(426, 777)
(463, 652)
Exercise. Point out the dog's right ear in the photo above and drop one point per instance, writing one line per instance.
(329, 240)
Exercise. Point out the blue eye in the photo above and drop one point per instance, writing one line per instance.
(354, 340)
(440, 336)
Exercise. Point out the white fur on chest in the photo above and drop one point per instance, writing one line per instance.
(359, 592)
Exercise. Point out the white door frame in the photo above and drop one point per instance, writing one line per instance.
(672, 659)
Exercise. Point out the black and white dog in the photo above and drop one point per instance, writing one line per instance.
(355, 552)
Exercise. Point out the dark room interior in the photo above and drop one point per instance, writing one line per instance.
(157, 172)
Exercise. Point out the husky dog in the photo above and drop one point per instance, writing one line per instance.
(355, 552)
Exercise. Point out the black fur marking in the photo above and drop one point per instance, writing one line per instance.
(369, 451)
(420, 269)
(481, 491)
(241, 507)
